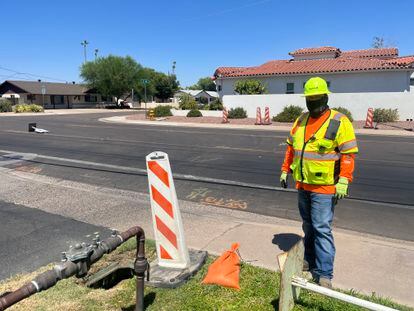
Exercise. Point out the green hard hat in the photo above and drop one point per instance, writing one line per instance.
(316, 86)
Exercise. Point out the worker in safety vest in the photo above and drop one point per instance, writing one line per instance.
(320, 155)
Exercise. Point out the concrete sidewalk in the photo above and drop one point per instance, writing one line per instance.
(124, 120)
(364, 263)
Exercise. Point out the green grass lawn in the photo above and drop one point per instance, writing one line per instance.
(259, 291)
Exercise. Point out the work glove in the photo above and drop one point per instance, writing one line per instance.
(341, 188)
(283, 180)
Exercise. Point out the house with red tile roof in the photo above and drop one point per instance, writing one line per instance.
(354, 71)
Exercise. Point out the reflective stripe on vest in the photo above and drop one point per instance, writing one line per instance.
(348, 145)
(318, 156)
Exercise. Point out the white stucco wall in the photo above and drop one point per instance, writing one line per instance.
(357, 103)
(389, 81)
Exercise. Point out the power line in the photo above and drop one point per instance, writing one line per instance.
(30, 74)
(7, 77)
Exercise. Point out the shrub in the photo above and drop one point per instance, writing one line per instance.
(216, 105)
(237, 113)
(5, 105)
(289, 114)
(345, 112)
(187, 102)
(385, 115)
(162, 111)
(28, 108)
(35, 108)
(250, 87)
(194, 113)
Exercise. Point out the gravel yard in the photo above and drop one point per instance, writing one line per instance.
(401, 125)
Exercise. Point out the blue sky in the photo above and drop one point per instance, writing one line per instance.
(43, 37)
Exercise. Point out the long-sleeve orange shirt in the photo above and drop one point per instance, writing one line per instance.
(347, 161)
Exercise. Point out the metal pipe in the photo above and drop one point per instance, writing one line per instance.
(140, 267)
(67, 269)
(303, 283)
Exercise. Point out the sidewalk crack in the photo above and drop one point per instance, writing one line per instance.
(221, 234)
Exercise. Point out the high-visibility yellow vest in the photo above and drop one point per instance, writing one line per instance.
(316, 161)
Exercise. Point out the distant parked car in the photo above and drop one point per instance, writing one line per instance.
(125, 105)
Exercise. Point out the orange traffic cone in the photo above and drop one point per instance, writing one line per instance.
(225, 270)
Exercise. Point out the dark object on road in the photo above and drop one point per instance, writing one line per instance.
(32, 127)
(78, 260)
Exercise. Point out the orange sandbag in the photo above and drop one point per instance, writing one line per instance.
(225, 270)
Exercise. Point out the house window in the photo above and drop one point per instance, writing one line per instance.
(31, 97)
(290, 88)
(219, 88)
(412, 81)
(91, 98)
(58, 99)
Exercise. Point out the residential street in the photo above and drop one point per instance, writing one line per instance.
(87, 175)
(83, 149)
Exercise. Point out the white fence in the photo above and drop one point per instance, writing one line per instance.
(357, 103)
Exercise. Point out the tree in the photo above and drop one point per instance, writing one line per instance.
(205, 84)
(165, 85)
(378, 43)
(250, 87)
(112, 75)
(186, 101)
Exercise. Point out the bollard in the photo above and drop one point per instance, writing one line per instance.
(267, 117)
(291, 264)
(225, 115)
(151, 114)
(258, 116)
(369, 122)
(175, 262)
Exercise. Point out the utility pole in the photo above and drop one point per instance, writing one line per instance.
(84, 43)
(96, 54)
(173, 67)
(145, 82)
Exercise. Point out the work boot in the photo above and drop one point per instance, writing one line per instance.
(305, 265)
(325, 282)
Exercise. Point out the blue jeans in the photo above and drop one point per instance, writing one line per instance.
(317, 212)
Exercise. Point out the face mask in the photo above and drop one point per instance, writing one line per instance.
(317, 107)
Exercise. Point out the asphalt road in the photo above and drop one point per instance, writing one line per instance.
(81, 148)
(30, 238)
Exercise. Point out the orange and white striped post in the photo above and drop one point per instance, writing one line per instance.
(258, 116)
(369, 122)
(225, 115)
(267, 116)
(168, 227)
